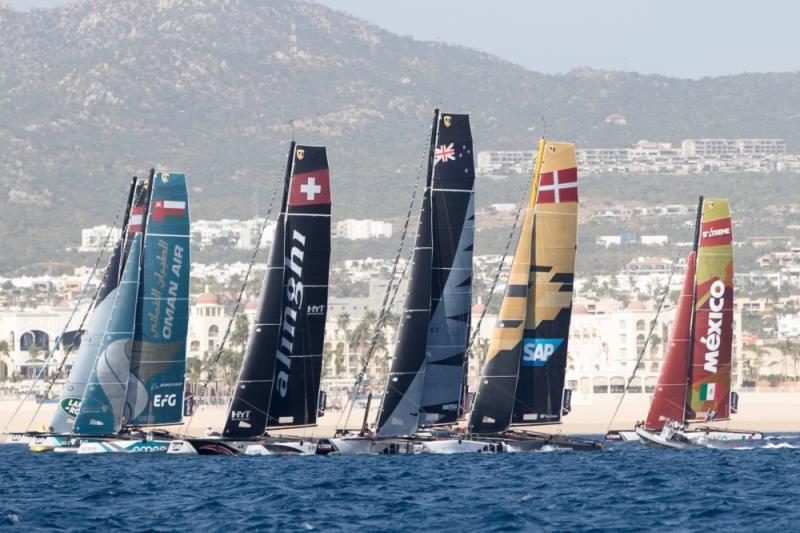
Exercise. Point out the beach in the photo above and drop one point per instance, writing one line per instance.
(771, 412)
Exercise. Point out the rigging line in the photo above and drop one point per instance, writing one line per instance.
(51, 355)
(212, 369)
(477, 329)
(388, 297)
(646, 343)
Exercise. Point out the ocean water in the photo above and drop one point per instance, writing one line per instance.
(626, 486)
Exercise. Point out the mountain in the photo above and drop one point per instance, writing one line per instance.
(94, 92)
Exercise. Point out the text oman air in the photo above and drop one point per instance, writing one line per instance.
(713, 337)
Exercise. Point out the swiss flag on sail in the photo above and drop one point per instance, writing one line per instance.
(311, 188)
(558, 186)
(171, 208)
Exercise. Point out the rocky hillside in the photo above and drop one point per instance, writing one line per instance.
(93, 92)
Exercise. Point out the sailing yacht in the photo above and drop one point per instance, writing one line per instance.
(279, 383)
(694, 385)
(426, 386)
(129, 371)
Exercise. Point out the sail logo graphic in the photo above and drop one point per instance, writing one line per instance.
(294, 301)
(713, 337)
(70, 406)
(240, 415)
(165, 400)
(716, 233)
(315, 309)
(536, 352)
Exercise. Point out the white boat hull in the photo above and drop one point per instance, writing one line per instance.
(51, 443)
(450, 446)
(18, 438)
(364, 445)
(656, 440)
(123, 446)
(181, 447)
(299, 447)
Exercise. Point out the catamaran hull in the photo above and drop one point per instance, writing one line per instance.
(695, 434)
(373, 446)
(300, 447)
(18, 438)
(655, 440)
(51, 443)
(450, 446)
(123, 446)
(207, 447)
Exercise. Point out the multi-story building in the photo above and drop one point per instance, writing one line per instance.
(354, 230)
(93, 239)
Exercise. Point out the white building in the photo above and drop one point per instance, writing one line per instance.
(93, 239)
(355, 230)
(732, 147)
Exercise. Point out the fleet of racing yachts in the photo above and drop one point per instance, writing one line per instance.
(127, 381)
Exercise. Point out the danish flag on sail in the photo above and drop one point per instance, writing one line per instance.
(168, 208)
(559, 186)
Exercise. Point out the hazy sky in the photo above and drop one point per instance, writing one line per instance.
(685, 38)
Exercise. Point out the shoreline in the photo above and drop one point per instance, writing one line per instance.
(769, 412)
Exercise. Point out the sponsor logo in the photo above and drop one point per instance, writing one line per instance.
(294, 297)
(450, 407)
(165, 400)
(716, 232)
(148, 448)
(315, 309)
(164, 177)
(536, 352)
(300, 153)
(713, 336)
(70, 406)
(240, 415)
(448, 120)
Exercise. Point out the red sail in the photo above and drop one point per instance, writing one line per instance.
(669, 401)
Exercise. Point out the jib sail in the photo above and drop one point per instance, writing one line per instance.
(247, 414)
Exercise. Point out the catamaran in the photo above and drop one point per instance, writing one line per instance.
(426, 386)
(129, 371)
(522, 382)
(694, 385)
(279, 382)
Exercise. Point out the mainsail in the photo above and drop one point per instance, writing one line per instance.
(278, 384)
(70, 400)
(695, 380)
(523, 376)
(307, 250)
(712, 327)
(453, 232)
(158, 360)
(101, 408)
(540, 387)
(426, 381)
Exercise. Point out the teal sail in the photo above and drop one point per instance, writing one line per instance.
(102, 405)
(70, 400)
(158, 361)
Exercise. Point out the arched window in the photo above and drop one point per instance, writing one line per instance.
(213, 330)
(195, 346)
(640, 325)
(639, 342)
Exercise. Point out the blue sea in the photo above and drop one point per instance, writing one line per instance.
(626, 486)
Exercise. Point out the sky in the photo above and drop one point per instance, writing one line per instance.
(679, 38)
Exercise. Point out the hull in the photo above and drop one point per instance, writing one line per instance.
(40, 444)
(656, 440)
(450, 446)
(123, 446)
(622, 435)
(372, 446)
(297, 447)
(18, 438)
(528, 441)
(208, 447)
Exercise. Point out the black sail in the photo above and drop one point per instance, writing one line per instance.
(304, 299)
(401, 400)
(247, 415)
(453, 215)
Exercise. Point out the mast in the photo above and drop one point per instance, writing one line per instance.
(247, 413)
(690, 357)
(399, 410)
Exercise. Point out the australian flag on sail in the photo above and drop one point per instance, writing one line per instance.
(452, 155)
